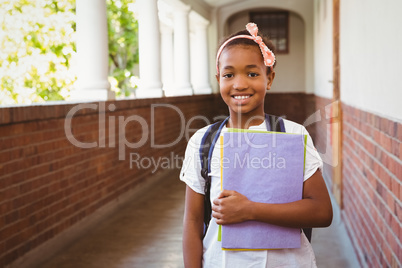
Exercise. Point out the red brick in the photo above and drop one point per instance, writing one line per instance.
(385, 178)
(6, 206)
(356, 113)
(10, 155)
(385, 142)
(9, 193)
(9, 257)
(390, 200)
(398, 211)
(363, 116)
(12, 169)
(392, 128)
(11, 217)
(399, 132)
(386, 251)
(11, 130)
(376, 168)
(2, 250)
(395, 167)
(395, 147)
(392, 240)
(395, 261)
(400, 192)
(395, 185)
(377, 122)
(377, 136)
(30, 197)
(396, 229)
(13, 229)
(369, 146)
(384, 123)
(400, 151)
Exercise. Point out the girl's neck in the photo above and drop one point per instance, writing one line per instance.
(244, 122)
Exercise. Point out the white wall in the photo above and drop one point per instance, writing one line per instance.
(238, 22)
(323, 46)
(371, 56)
(291, 68)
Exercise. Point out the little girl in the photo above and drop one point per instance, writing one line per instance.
(245, 72)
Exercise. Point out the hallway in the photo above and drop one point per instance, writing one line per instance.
(147, 233)
(66, 165)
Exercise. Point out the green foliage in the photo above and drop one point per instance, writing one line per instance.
(36, 49)
(123, 44)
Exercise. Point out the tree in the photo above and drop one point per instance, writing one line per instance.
(36, 49)
(123, 44)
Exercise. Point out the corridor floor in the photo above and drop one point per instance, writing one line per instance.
(147, 233)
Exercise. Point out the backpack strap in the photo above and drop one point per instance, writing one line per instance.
(207, 145)
(274, 123)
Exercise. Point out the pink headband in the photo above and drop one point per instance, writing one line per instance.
(269, 57)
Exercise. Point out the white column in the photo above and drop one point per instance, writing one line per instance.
(199, 47)
(150, 50)
(182, 51)
(92, 52)
(167, 60)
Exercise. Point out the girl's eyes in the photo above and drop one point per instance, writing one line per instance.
(228, 75)
(253, 74)
(231, 75)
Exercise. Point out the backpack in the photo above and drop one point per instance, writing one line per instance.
(208, 142)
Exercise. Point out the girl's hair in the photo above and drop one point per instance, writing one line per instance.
(248, 42)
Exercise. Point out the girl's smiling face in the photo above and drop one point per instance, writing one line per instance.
(243, 80)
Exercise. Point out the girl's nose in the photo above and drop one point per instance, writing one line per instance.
(240, 83)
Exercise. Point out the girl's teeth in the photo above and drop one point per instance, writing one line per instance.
(241, 97)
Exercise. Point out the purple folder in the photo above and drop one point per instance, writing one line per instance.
(268, 168)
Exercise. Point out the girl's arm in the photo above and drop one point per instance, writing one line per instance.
(193, 228)
(314, 210)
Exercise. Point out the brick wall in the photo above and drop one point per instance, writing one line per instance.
(48, 184)
(372, 181)
(372, 189)
(296, 107)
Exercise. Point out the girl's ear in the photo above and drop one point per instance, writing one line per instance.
(270, 77)
(217, 77)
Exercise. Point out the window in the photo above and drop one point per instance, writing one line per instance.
(275, 25)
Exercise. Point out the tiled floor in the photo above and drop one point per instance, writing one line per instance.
(332, 246)
(147, 233)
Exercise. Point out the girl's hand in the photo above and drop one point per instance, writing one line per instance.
(230, 207)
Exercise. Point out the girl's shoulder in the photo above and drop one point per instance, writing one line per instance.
(196, 138)
(293, 127)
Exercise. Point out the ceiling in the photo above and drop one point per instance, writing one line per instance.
(217, 3)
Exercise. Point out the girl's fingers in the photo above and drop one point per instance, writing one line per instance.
(216, 215)
(215, 208)
(226, 193)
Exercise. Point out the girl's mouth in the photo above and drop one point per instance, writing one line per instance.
(241, 97)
